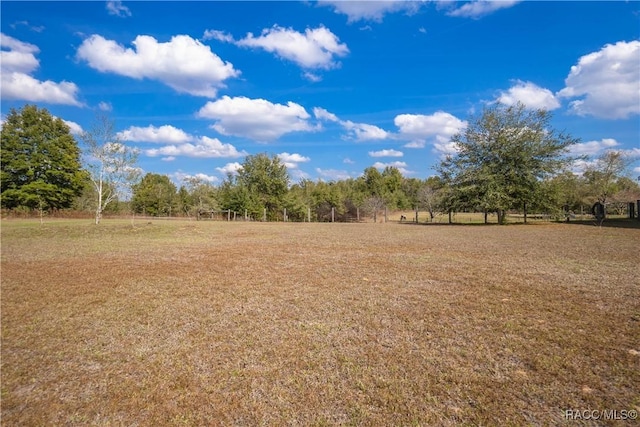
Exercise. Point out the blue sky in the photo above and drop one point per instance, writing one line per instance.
(332, 87)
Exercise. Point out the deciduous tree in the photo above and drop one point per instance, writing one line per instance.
(502, 156)
(41, 166)
(111, 164)
(154, 195)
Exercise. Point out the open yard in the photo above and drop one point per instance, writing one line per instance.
(214, 323)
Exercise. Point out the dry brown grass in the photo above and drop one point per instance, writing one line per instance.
(199, 323)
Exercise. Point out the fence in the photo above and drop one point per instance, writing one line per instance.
(355, 214)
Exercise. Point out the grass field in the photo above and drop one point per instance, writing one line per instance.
(215, 323)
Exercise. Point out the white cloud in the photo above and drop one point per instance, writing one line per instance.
(530, 95)
(357, 131)
(363, 131)
(182, 177)
(257, 119)
(117, 8)
(105, 106)
(17, 62)
(348, 161)
(230, 168)
(607, 82)
(593, 148)
(322, 114)
(298, 175)
(36, 28)
(74, 127)
(333, 174)
(415, 144)
(163, 134)
(479, 8)
(637, 170)
(315, 49)
(203, 147)
(291, 161)
(386, 153)
(312, 77)
(218, 35)
(445, 148)
(183, 63)
(401, 166)
(417, 128)
(370, 10)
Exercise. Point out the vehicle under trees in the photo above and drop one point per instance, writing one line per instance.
(41, 167)
(502, 158)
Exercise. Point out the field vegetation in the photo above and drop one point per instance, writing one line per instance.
(218, 323)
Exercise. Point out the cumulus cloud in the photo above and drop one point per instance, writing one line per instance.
(363, 131)
(322, 114)
(163, 134)
(531, 95)
(17, 62)
(592, 148)
(257, 119)
(316, 48)
(479, 8)
(445, 148)
(357, 131)
(178, 143)
(184, 64)
(203, 147)
(117, 8)
(606, 83)
(419, 128)
(182, 177)
(386, 153)
(401, 166)
(230, 168)
(74, 127)
(370, 10)
(292, 161)
(333, 174)
(105, 106)
(218, 35)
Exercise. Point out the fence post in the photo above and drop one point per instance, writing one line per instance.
(264, 215)
(386, 214)
(358, 214)
(284, 217)
(228, 214)
(309, 214)
(333, 214)
(449, 216)
(416, 216)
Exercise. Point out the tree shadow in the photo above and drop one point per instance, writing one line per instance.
(609, 223)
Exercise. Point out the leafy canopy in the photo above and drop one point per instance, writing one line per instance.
(502, 158)
(40, 161)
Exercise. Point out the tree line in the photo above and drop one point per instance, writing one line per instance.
(508, 158)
